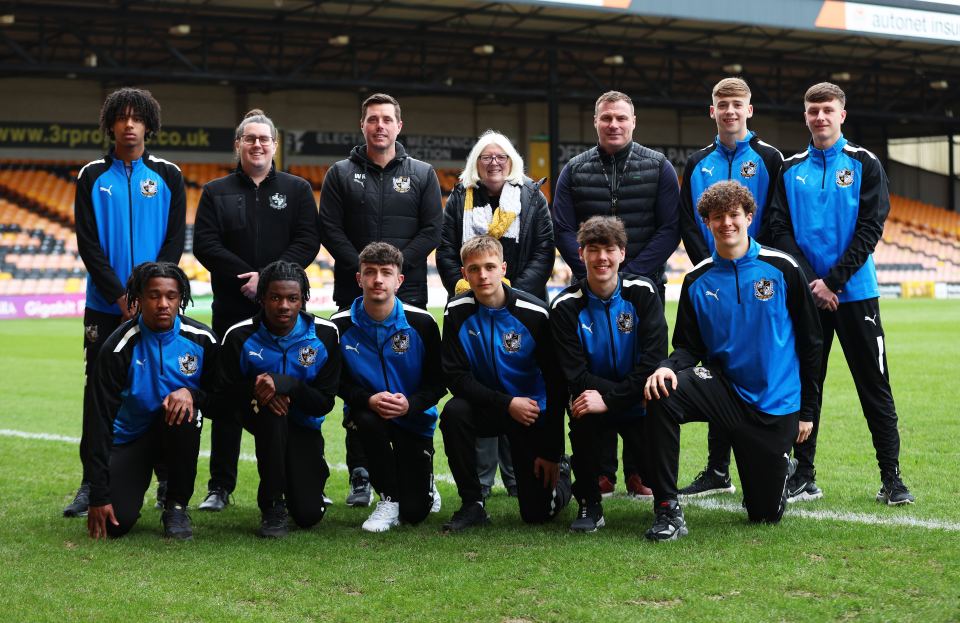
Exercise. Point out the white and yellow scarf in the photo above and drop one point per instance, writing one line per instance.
(504, 222)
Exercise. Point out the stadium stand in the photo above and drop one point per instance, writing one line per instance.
(38, 248)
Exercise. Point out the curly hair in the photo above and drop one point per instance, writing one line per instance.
(140, 101)
(382, 254)
(143, 273)
(283, 271)
(602, 230)
(724, 197)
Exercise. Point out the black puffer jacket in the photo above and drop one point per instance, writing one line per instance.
(362, 203)
(531, 269)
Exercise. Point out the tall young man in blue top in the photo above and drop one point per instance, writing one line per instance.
(735, 154)
(130, 208)
(746, 358)
(610, 334)
(829, 211)
(391, 382)
(281, 369)
(147, 389)
(500, 365)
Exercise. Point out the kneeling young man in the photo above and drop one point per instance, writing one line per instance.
(499, 361)
(747, 317)
(281, 369)
(391, 382)
(610, 336)
(148, 384)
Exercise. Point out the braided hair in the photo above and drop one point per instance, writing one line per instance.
(146, 271)
(283, 271)
(140, 101)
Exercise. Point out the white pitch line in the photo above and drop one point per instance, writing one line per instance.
(708, 503)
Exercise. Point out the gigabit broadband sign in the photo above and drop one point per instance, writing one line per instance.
(891, 21)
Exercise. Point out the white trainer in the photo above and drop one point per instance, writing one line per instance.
(435, 508)
(385, 516)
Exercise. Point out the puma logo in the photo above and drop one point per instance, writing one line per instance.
(257, 354)
(873, 320)
(139, 363)
(708, 171)
(586, 328)
(715, 294)
(802, 180)
(108, 190)
(359, 178)
(355, 348)
(473, 333)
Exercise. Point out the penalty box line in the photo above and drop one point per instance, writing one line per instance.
(706, 503)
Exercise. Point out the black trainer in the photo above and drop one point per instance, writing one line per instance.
(161, 494)
(81, 502)
(469, 515)
(589, 518)
(893, 492)
(216, 501)
(273, 521)
(176, 522)
(803, 488)
(669, 524)
(361, 493)
(708, 482)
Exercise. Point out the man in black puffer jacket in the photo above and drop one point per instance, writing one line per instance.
(380, 194)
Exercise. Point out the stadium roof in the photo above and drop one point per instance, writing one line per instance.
(903, 76)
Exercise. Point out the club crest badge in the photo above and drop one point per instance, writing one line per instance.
(511, 341)
(748, 169)
(625, 322)
(148, 188)
(91, 331)
(278, 201)
(844, 178)
(763, 289)
(189, 364)
(307, 356)
(401, 184)
(400, 342)
(702, 373)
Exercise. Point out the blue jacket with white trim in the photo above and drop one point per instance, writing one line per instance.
(126, 217)
(829, 212)
(611, 345)
(752, 162)
(399, 355)
(304, 365)
(490, 356)
(136, 369)
(754, 317)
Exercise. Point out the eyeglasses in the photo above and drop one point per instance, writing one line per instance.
(500, 158)
(250, 139)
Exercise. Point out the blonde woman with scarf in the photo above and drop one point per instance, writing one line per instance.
(494, 197)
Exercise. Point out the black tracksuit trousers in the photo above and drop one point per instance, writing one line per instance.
(291, 464)
(461, 424)
(588, 438)
(132, 463)
(858, 327)
(761, 442)
(401, 464)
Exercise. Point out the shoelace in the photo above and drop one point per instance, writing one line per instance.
(382, 511)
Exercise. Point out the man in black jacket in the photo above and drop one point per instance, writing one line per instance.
(378, 194)
(246, 220)
(619, 177)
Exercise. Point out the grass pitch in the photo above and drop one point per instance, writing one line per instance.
(845, 557)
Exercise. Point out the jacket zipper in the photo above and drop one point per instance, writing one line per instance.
(256, 221)
(736, 277)
(129, 174)
(613, 345)
(823, 182)
(383, 362)
(160, 346)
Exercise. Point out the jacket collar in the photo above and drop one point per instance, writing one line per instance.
(164, 337)
(752, 252)
(590, 295)
(832, 151)
(359, 155)
(246, 178)
(397, 318)
(740, 147)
